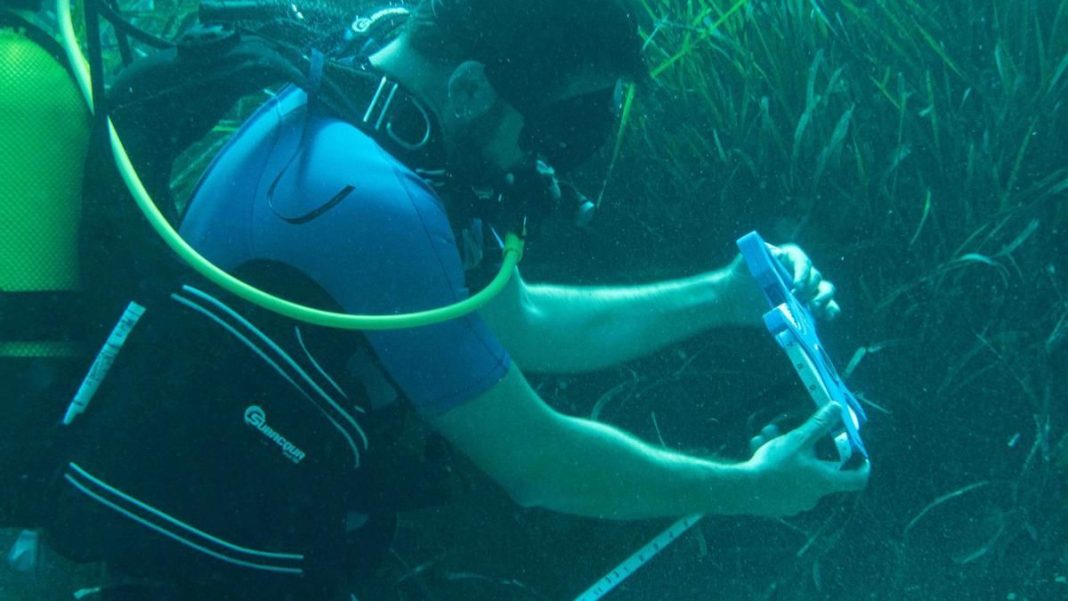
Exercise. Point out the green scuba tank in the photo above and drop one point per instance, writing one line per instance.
(44, 139)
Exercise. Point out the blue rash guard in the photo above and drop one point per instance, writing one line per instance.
(318, 195)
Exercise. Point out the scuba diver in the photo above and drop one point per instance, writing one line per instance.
(223, 451)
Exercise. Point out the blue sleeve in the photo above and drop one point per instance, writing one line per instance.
(385, 247)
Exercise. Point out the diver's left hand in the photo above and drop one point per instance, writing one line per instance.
(808, 284)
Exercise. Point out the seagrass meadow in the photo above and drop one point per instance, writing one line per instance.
(918, 151)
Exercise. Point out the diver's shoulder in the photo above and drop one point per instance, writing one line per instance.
(347, 153)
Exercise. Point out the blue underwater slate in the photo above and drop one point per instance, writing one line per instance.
(793, 327)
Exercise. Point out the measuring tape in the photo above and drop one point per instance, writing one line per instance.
(638, 559)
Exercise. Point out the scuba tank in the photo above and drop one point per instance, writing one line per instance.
(44, 139)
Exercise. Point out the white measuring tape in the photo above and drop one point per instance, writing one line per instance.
(638, 559)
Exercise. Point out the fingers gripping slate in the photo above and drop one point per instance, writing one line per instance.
(821, 424)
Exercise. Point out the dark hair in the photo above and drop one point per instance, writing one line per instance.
(531, 47)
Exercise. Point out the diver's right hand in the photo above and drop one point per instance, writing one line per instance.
(787, 475)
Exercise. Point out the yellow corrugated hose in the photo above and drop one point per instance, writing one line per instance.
(513, 246)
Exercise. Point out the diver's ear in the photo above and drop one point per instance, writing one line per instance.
(470, 93)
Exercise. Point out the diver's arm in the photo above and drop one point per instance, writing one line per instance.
(568, 329)
(546, 459)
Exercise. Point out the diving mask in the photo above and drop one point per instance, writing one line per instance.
(568, 132)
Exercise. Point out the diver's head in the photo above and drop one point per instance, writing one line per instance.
(528, 78)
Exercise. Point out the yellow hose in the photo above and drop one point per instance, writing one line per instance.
(513, 244)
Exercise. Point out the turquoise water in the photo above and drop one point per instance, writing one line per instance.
(917, 152)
